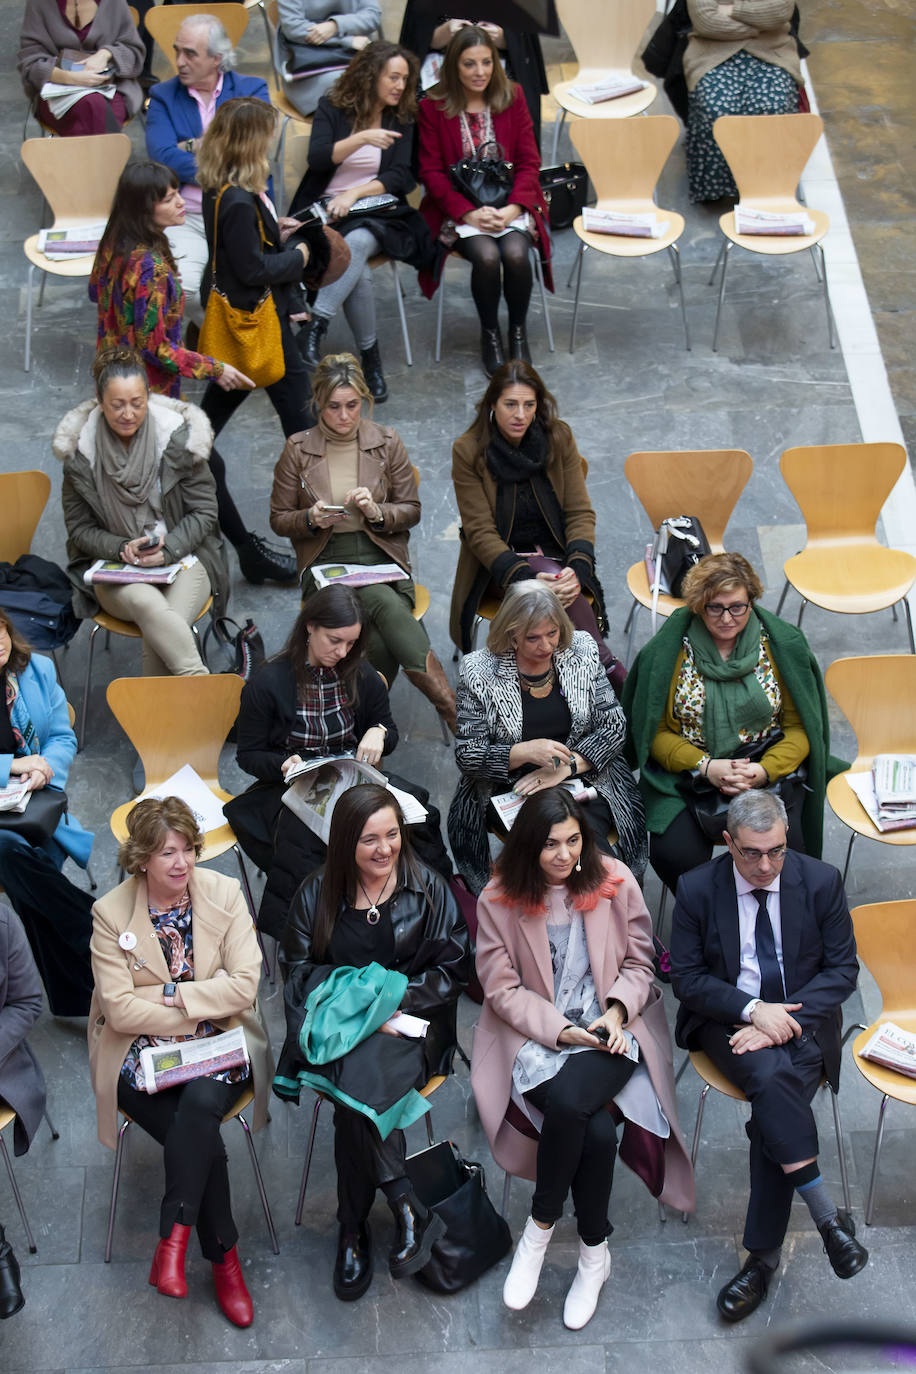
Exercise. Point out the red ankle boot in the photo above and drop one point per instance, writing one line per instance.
(231, 1293)
(167, 1273)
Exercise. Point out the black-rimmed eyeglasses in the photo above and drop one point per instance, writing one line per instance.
(736, 610)
(753, 856)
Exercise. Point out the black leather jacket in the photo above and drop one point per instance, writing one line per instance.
(431, 947)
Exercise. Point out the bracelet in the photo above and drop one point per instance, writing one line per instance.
(707, 759)
(383, 728)
(573, 766)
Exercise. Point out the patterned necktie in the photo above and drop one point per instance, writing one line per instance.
(772, 988)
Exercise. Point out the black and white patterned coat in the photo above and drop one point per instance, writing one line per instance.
(490, 722)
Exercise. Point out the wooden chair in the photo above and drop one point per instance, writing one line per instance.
(840, 489)
(164, 21)
(77, 177)
(767, 155)
(426, 1091)
(704, 482)
(7, 1116)
(624, 159)
(23, 497)
(877, 695)
(606, 37)
(236, 1113)
(126, 628)
(884, 937)
(714, 1078)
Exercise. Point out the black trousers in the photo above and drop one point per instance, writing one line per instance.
(186, 1122)
(684, 846)
(779, 1083)
(364, 1162)
(57, 917)
(578, 1142)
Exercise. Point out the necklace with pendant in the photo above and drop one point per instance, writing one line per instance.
(373, 915)
(539, 685)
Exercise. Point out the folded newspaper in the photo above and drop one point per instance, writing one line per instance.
(356, 574)
(610, 86)
(882, 818)
(62, 98)
(317, 784)
(164, 576)
(171, 1062)
(79, 240)
(631, 226)
(507, 805)
(893, 1047)
(770, 222)
(14, 796)
(895, 781)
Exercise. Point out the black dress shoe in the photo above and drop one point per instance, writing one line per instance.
(518, 343)
(11, 1295)
(418, 1229)
(264, 562)
(743, 1294)
(353, 1266)
(844, 1252)
(492, 353)
(372, 371)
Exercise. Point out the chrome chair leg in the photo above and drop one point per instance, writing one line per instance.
(403, 318)
(18, 1196)
(55, 1134)
(557, 126)
(879, 1140)
(572, 331)
(852, 840)
(716, 263)
(84, 711)
(909, 624)
(675, 257)
(539, 276)
(259, 1181)
(841, 1152)
(507, 1184)
(782, 598)
(308, 1160)
(119, 1155)
(715, 335)
(439, 311)
(694, 1149)
(831, 333)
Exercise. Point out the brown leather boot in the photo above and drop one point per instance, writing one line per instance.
(436, 687)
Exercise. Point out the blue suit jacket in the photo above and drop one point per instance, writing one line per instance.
(818, 949)
(174, 116)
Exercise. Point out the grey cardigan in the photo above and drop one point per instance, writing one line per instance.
(22, 1084)
(45, 32)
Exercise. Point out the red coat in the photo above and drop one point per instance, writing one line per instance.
(440, 147)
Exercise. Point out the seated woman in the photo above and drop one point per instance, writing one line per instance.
(740, 59)
(721, 676)
(345, 492)
(474, 105)
(199, 977)
(571, 1026)
(37, 746)
(373, 907)
(362, 145)
(535, 709)
(105, 32)
(138, 490)
(317, 39)
(524, 509)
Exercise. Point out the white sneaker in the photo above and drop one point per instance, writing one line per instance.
(591, 1276)
(522, 1278)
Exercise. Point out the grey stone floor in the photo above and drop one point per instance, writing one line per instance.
(630, 385)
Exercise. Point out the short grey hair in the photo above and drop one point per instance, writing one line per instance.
(219, 44)
(757, 811)
(526, 604)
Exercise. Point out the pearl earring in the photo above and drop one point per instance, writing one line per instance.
(578, 865)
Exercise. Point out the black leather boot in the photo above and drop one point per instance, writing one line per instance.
(263, 562)
(11, 1295)
(491, 350)
(353, 1266)
(372, 371)
(418, 1229)
(310, 339)
(518, 343)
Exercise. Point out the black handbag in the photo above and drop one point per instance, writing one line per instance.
(485, 179)
(41, 817)
(239, 647)
(317, 57)
(565, 191)
(680, 543)
(709, 807)
(476, 1236)
(664, 55)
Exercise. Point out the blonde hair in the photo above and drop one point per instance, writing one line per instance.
(715, 573)
(335, 370)
(526, 604)
(234, 148)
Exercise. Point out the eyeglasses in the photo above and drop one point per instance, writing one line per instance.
(736, 611)
(753, 856)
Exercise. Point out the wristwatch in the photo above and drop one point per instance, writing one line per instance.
(168, 994)
(573, 766)
(188, 145)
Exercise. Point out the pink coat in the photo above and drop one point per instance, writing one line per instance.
(515, 972)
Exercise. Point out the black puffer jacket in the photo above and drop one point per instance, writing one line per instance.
(431, 947)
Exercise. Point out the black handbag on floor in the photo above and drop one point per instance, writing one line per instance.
(565, 191)
(240, 646)
(476, 1236)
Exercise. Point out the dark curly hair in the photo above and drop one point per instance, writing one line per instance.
(356, 89)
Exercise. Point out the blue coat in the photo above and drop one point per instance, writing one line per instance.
(47, 707)
(174, 116)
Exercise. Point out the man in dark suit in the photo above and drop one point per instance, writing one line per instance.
(763, 955)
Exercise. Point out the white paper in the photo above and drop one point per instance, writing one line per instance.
(191, 788)
(749, 220)
(414, 1027)
(611, 86)
(467, 231)
(635, 226)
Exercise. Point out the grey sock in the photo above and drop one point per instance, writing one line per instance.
(818, 1201)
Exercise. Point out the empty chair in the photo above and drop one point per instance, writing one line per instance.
(23, 497)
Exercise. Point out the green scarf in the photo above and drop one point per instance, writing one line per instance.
(735, 700)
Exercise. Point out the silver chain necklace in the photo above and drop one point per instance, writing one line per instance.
(373, 915)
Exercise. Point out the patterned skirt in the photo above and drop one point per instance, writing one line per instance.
(742, 85)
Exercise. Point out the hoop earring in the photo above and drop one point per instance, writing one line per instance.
(491, 415)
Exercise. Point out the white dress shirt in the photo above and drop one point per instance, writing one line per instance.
(749, 968)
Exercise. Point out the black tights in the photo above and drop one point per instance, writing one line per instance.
(485, 255)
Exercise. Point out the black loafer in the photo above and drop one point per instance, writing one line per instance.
(418, 1229)
(743, 1294)
(353, 1266)
(844, 1252)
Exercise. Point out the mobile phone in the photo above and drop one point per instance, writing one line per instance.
(146, 544)
(601, 1033)
(334, 510)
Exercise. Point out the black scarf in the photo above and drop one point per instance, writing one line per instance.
(518, 462)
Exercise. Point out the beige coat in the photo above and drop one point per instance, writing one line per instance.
(516, 974)
(127, 1000)
(758, 27)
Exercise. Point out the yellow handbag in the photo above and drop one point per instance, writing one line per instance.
(247, 339)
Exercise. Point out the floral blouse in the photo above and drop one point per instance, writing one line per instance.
(690, 696)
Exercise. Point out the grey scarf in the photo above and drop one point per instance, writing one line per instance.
(127, 478)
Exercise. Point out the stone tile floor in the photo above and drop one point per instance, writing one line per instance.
(630, 385)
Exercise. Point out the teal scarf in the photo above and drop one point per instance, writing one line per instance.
(735, 700)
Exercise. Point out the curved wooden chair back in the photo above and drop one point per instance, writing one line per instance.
(23, 497)
(701, 482)
(164, 21)
(840, 488)
(877, 695)
(77, 176)
(625, 157)
(135, 16)
(605, 35)
(172, 721)
(884, 939)
(768, 153)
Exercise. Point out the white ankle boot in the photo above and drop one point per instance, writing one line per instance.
(522, 1279)
(591, 1276)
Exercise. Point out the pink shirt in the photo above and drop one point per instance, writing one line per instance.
(191, 193)
(359, 167)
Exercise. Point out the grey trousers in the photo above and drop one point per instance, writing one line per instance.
(354, 290)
